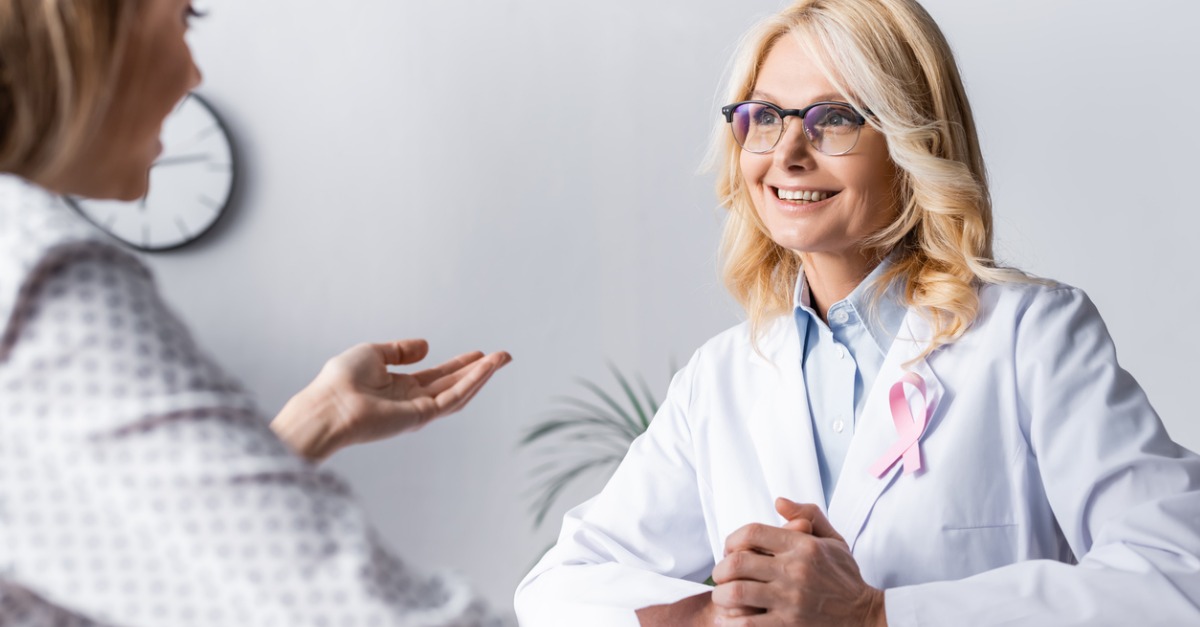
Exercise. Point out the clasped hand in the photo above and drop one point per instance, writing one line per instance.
(356, 398)
(800, 574)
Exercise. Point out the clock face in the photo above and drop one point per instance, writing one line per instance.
(190, 185)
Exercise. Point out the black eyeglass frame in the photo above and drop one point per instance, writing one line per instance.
(858, 119)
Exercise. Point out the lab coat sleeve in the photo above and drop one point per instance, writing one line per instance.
(1127, 498)
(640, 542)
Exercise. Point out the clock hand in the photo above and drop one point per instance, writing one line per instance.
(181, 160)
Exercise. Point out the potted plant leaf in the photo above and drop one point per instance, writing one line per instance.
(586, 435)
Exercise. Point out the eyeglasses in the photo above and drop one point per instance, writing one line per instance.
(831, 127)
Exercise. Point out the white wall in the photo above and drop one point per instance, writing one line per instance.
(523, 178)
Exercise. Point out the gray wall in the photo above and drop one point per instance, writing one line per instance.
(524, 178)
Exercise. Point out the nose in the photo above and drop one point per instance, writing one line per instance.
(793, 149)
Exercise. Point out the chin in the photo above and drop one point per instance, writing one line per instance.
(802, 241)
(796, 238)
(130, 190)
(130, 195)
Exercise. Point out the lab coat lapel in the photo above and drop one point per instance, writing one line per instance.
(857, 489)
(780, 424)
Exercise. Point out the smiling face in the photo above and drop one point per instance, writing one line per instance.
(155, 73)
(810, 202)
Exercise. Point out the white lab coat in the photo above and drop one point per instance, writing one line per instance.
(1040, 452)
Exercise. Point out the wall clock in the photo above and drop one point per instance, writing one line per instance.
(191, 185)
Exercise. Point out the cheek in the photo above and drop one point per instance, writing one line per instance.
(752, 172)
(752, 167)
(873, 181)
(884, 193)
(883, 177)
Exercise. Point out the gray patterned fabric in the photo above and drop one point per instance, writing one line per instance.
(138, 483)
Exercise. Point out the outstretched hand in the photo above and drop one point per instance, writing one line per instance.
(356, 398)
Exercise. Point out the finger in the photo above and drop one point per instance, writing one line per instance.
(502, 360)
(476, 376)
(758, 619)
(742, 594)
(746, 565)
(821, 526)
(473, 391)
(731, 612)
(426, 377)
(759, 537)
(403, 352)
(450, 380)
(803, 525)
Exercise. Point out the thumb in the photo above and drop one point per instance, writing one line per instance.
(403, 352)
(803, 525)
(796, 512)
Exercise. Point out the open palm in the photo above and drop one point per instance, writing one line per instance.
(375, 403)
(357, 398)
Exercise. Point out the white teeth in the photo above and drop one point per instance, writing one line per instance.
(804, 196)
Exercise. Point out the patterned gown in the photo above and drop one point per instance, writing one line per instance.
(138, 483)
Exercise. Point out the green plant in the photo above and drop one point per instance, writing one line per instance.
(586, 435)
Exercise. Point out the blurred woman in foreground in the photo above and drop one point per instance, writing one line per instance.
(138, 484)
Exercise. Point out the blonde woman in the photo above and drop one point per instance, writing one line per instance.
(138, 485)
(903, 433)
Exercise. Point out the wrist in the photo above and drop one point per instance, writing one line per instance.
(308, 423)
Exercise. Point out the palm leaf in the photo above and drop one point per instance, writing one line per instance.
(616, 407)
(650, 400)
(555, 485)
(585, 434)
(643, 420)
(627, 428)
(574, 421)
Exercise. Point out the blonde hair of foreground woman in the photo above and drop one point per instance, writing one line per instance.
(57, 60)
(888, 57)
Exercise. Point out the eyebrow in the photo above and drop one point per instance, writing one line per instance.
(762, 95)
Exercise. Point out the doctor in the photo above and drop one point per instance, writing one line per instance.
(903, 433)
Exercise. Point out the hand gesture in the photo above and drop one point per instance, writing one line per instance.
(356, 398)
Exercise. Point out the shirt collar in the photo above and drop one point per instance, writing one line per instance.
(882, 320)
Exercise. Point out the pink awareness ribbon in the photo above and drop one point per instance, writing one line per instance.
(907, 445)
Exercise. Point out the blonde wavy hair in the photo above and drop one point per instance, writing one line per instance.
(58, 63)
(888, 57)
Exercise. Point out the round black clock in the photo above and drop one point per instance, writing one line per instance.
(191, 184)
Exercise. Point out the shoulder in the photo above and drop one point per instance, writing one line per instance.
(734, 355)
(1019, 305)
(39, 236)
(33, 220)
(739, 342)
(86, 321)
(1025, 323)
(735, 339)
(70, 286)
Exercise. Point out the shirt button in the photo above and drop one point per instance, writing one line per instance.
(840, 316)
(841, 351)
(838, 426)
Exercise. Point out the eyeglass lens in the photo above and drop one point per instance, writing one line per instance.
(832, 129)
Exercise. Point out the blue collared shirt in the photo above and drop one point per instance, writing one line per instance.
(840, 362)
